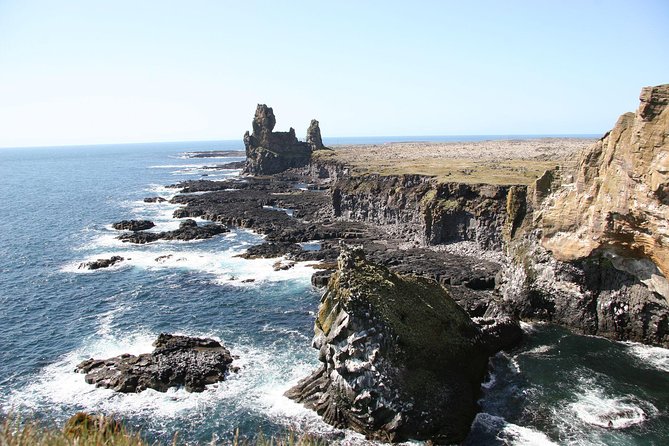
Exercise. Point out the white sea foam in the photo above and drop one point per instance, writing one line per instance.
(509, 433)
(539, 351)
(655, 357)
(596, 408)
(224, 265)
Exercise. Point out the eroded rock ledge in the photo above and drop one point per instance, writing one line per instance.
(400, 359)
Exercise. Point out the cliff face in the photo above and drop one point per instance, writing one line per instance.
(420, 209)
(399, 358)
(269, 152)
(618, 202)
(594, 254)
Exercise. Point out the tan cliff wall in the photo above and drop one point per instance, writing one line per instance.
(618, 200)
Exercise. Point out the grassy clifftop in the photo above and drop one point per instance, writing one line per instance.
(491, 162)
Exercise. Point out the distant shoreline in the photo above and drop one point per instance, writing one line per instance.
(238, 144)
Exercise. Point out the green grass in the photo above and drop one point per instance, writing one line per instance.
(446, 170)
(87, 430)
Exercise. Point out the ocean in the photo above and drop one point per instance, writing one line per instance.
(56, 211)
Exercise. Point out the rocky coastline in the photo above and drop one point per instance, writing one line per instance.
(583, 245)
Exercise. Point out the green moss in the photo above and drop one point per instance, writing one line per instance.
(432, 330)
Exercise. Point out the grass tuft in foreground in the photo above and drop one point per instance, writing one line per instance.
(87, 430)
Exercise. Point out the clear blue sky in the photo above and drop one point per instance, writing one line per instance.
(97, 71)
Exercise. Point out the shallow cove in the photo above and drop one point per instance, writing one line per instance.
(56, 210)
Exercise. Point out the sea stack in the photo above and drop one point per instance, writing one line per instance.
(399, 358)
(269, 152)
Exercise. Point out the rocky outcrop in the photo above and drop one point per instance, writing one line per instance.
(399, 358)
(101, 263)
(593, 251)
(176, 361)
(314, 136)
(269, 152)
(188, 230)
(133, 225)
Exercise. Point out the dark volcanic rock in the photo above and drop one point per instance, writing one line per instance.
(101, 263)
(400, 359)
(269, 152)
(188, 230)
(314, 136)
(154, 200)
(231, 165)
(215, 154)
(133, 225)
(176, 361)
(321, 278)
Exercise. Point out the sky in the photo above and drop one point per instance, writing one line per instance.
(94, 71)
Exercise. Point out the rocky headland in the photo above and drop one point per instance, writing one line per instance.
(465, 239)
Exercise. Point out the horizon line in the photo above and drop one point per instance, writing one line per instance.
(423, 138)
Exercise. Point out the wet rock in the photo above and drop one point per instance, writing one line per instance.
(188, 230)
(176, 361)
(154, 200)
(133, 225)
(283, 265)
(101, 263)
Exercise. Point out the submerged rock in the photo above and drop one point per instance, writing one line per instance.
(101, 263)
(176, 361)
(188, 230)
(133, 225)
(269, 152)
(399, 358)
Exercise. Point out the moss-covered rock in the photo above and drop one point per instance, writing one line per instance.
(400, 359)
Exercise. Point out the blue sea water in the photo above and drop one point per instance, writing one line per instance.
(55, 212)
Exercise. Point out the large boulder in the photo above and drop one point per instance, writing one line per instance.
(399, 358)
(269, 152)
(176, 361)
(133, 225)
